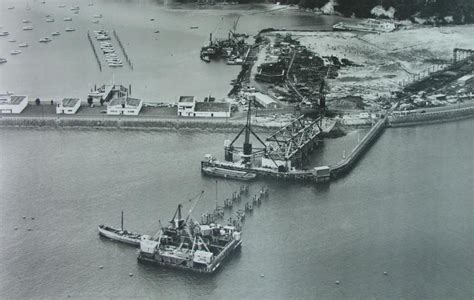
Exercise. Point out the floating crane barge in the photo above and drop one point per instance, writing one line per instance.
(188, 245)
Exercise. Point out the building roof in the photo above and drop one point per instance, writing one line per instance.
(212, 107)
(187, 99)
(263, 99)
(11, 100)
(70, 102)
(133, 102)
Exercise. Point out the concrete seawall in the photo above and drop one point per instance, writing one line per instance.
(431, 117)
(126, 123)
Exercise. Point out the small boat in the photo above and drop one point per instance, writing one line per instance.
(4, 33)
(152, 19)
(26, 21)
(98, 16)
(28, 28)
(95, 21)
(11, 7)
(45, 40)
(115, 64)
(229, 174)
(12, 41)
(69, 29)
(194, 27)
(76, 12)
(119, 234)
(90, 4)
(49, 20)
(62, 5)
(15, 52)
(56, 33)
(75, 8)
(23, 45)
(67, 19)
(206, 58)
(2, 60)
(157, 31)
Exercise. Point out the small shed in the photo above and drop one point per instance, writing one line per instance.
(12, 104)
(68, 106)
(124, 106)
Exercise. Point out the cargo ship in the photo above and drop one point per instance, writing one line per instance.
(188, 245)
(119, 234)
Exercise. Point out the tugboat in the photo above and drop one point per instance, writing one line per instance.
(119, 234)
(187, 245)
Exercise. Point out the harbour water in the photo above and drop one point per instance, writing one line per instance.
(406, 210)
(166, 64)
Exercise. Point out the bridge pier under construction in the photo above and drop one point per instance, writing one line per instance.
(285, 153)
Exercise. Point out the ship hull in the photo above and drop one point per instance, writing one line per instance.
(228, 174)
(229, 249)
(117, 237)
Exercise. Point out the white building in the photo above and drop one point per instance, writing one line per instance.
(263, 100)
(124, 106)
(189, 107)
(186, 105)
(11, 104)
(68, 106)
(212, 109)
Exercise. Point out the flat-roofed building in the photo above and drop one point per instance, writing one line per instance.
(263, 100)
(68, 106)
(186, 105)
(212, 109)
(12, 104)
(124, 106)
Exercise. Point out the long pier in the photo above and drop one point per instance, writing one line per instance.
(127, 58)
(93, 50)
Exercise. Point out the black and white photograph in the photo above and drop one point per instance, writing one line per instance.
(242, 149)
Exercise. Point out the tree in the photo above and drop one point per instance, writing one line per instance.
(38, 101)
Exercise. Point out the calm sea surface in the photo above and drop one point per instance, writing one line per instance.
(406, 209)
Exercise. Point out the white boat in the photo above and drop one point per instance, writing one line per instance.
(12, 41)
(26, 21)
(45, 40)
(28, 28)
(98, 16)
(62, 5)
(15, 52)
(56, 33)
(119, 234)
(2, 60)
(75, 8)
(11, 7)
(115, 64)
(4, 33)
(67, 19)
(49, 20)
(69, 29)
(103, 37)
(23, 45)
(95, 21)
(228, 173)
(90, 4)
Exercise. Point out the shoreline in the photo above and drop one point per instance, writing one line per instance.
(218, 125)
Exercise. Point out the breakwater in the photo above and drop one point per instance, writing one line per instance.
(140, 123)
(419, 118)
(347, 163)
